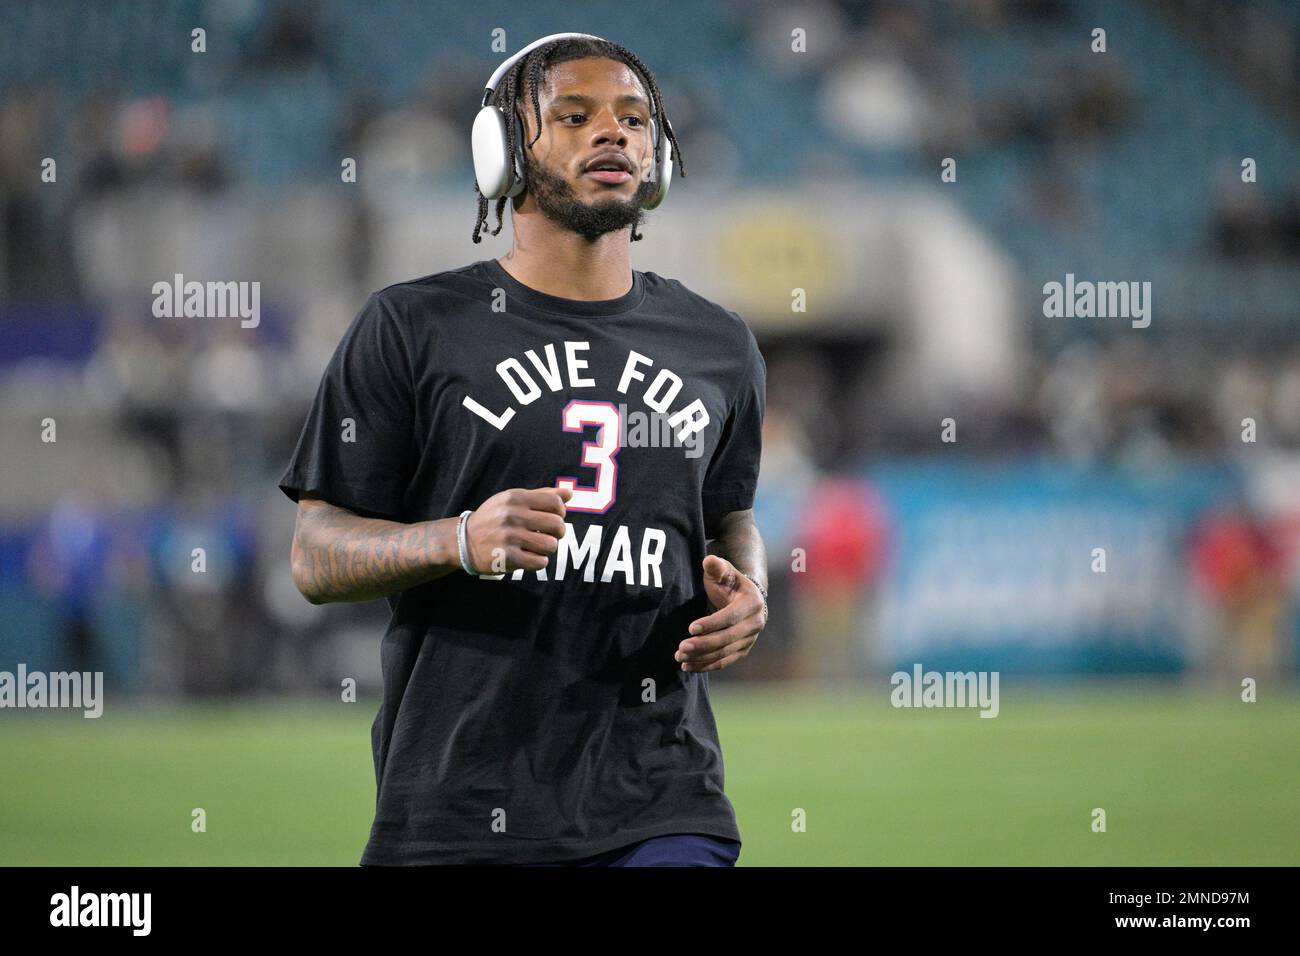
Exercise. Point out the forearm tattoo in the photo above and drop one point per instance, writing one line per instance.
(742, 545)
(341, 556)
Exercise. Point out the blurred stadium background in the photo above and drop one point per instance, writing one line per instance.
(888, 546)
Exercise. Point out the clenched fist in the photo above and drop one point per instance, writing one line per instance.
(516, 528)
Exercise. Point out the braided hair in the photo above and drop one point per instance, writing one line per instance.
(531, 69)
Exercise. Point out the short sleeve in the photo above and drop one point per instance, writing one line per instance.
(732, 476)
(356, 448)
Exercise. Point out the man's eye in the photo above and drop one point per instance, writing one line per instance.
(579, 116)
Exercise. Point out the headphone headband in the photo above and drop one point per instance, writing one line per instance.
(511, 61)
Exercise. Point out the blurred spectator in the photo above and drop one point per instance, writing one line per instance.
(786, 478)
(1247, 224)
(31, 253)
(67, 564)
(290, 39)
(843, 542)
(1239, 568)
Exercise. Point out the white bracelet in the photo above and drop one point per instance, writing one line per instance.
(462, 544)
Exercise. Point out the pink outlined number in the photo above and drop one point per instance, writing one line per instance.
(598, 454)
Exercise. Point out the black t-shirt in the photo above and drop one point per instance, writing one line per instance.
(540, 716)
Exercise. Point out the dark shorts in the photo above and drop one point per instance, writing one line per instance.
(676, 849)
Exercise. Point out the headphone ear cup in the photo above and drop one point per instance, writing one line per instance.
(495, 175)
(488, 141)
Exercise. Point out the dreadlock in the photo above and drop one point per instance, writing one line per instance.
(532, 68)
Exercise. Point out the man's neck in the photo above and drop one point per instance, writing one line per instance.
(563, 264)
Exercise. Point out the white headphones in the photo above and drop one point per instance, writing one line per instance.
(492, 169)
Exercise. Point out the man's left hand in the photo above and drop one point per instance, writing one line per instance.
(725, 636)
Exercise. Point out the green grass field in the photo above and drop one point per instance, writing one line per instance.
(1185, 777)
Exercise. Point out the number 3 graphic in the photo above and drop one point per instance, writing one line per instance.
(598, 454)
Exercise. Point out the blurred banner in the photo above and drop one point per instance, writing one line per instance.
(1041, 567)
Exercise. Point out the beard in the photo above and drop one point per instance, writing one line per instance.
(560, 203)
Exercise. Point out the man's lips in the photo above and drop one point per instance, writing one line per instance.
(611, 166)
(609, 175)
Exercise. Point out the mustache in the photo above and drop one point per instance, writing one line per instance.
(560, 178)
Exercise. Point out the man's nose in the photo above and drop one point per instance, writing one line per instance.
(607, 129)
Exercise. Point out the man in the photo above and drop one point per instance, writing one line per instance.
(587, 429)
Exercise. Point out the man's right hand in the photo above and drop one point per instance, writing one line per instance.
(516, 528)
